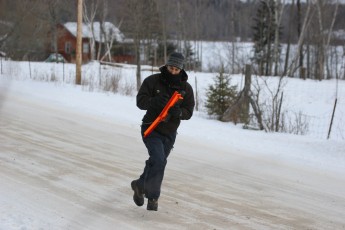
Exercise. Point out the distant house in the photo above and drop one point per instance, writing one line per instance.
(107, 36)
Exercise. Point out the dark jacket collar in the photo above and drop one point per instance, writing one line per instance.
(184, 76)
(173, 85)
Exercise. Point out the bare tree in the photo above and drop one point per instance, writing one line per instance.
(143, 23)
(300, 50)
(31, 26)
(164, 6)
(323, 36)
(102, 33)
(197, 30)
(20, 21)
(264, 36)
(287, 53)
(55, 12)
(90, 11)
(306, 22)
(276, 53)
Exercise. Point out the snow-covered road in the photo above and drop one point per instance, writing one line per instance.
(63, 169)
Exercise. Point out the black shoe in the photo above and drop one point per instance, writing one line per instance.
(152, 205)
(138, 196)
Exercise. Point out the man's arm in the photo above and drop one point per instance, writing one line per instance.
(187, 105)
(144, 96)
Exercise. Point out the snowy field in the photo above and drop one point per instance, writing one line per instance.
(68, 154)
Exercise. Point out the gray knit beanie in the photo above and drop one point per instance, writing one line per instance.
(176, 60)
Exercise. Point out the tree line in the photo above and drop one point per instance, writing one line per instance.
(308, 25)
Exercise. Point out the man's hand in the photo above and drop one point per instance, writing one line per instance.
(175, 111)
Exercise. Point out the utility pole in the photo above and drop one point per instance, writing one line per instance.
(79, 42)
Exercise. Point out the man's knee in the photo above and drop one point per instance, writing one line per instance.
(157, 163)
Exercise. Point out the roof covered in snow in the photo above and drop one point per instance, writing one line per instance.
(111, 31)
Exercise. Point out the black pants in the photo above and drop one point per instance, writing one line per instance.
(159, 147)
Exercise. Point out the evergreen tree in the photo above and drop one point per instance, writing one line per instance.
(189, 55)
(220, 95)
(264, 36)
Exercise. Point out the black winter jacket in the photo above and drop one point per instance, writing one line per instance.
(158, 85)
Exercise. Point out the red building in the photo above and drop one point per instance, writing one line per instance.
(107, 36)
